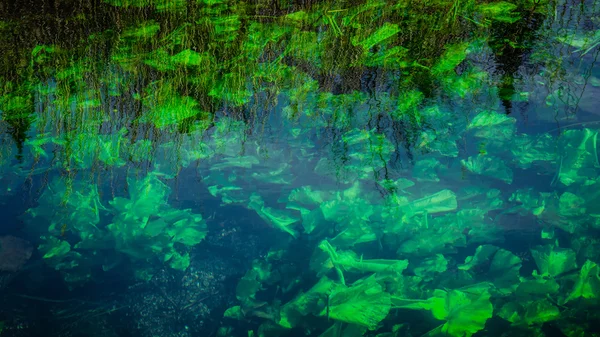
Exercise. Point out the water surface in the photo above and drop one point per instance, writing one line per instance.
(312, 168)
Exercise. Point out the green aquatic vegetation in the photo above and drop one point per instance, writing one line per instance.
(464, 310)
(537, 286)
(553, 261)
(469, 83)
(145, 227)
(57, 254)
(338, 329)
(427, 170)
(65, 206)
(389, 58)
(226, 187)
(587, 285)
(326, 257)
(442, 201)
(277, 218)
(398, 185)
(494, 126)
(231, 88)
(529, 313)
(144, 31)
(436, 236)
(311, 302)
(189, 58)
(408, 102)
(364, 303)
(528, 150)
(490, 166)
(454, 55)
(497, 265)
(584, 42)
(429, 268)
(40, 142)
(500, 11)
(351, 211)
(443, 131)
(166, 108)
(578, 161)
(15, 106)
(381, 34)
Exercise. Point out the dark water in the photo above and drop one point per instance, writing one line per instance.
(310, 168)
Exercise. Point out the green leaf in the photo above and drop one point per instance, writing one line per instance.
(500, 11)
(187, 57)
(170, 111)
(54, 248)
(529, 313)
(432, 266)
(465, 312)
(279, 219)
(493, 126)
(578, 156)
(179, 262)
(588, 283)
(312, 302)
(383, 33)
(452, 57)
(552, 260)
(442, 201)
(499, 266)
(145, 30)
(364, 303)
(489, 166)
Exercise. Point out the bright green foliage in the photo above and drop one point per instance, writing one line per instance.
(529, 313)
(584, 42)
(499, 266)
(442, 201)
(588, 283)
(349, 330)
(426, 170)
(279, 219)
(493, 126)
(326, 258)
(537, 286)
(570, 205)
(168, 109)
(578, 160)
(469, 83)
(364, 303)
(553, 261)
(430, 267)
(144, 31)
(452, 57)
(397, 185)
(395, 57)
(64, 203)
(188, 57)
(489, 166)
(145, 226)
(441, 234)
(500, 11)
(312, 302)
(464, 310)
(383, 33)
(57, 254)
(528, 150)
(387, 102)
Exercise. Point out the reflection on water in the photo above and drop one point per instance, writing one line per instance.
(365, 168)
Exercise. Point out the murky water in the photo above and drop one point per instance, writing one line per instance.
(278, 168)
